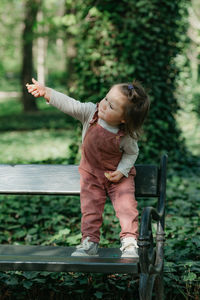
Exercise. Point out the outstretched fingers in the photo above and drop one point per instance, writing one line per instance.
(34, 88)
(35, 81)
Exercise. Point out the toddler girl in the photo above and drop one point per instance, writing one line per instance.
(109, 150)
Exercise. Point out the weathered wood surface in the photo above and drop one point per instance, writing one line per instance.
(63, 179)
(59, 259)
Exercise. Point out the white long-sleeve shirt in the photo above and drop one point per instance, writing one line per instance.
(84, 113)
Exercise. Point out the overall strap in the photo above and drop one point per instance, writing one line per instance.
(94, 120)
(95, 116)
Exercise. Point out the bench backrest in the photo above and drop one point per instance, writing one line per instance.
(65, 180)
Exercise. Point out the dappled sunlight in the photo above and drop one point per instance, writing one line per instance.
(190, 127)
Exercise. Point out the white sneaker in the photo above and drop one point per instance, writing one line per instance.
(86, 248)
(129, 247)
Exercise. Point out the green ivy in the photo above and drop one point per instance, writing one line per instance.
(134, 39)
(55, 220)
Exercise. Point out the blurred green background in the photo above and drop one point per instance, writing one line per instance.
(81, 48)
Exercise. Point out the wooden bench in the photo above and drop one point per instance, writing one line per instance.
(64, 180)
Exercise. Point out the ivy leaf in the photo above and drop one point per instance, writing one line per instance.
(27, 284)
(190, 276)
(98, 295)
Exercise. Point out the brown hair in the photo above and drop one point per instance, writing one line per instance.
(137, 109)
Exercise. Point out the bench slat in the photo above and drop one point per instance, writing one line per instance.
(59, 259)
(63, 179)
(39, 179)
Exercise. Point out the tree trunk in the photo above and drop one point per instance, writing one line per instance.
(31, 9)
(41, 51)
(70, 9)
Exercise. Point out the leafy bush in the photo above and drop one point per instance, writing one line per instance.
(134, 39)
(56, 221)
(182, 234)
(29, 220)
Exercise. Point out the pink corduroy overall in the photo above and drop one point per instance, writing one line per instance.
(101, 153)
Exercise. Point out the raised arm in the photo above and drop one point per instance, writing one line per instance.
(39, 90)
(80, 111)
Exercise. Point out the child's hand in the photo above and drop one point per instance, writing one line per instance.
(114, 176)
(36, 89)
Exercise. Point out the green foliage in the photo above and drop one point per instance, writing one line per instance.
(182, 234)
(10, 29)
(12, 24)
(12, 117)
(56, 221)
(43, 136)
(115, 43)
(38, 220)
(138, 39)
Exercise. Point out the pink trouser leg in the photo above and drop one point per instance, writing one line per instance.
(123, 199)
(93, 197)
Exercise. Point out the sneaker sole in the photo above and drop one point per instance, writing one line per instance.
(84, 254)
(129, 256)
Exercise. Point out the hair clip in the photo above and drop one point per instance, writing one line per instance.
(130, 87)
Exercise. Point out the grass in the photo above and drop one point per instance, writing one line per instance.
(34, 146)
(10, 106)
(32, 137)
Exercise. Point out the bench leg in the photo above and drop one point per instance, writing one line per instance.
(146, 286)
(159, 287)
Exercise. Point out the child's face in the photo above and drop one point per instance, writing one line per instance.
(112, 107)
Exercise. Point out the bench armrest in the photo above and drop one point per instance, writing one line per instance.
(152, 258)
